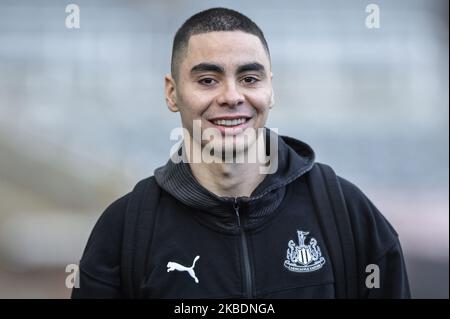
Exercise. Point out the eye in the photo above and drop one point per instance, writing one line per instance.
(207, 81)
(250, 80)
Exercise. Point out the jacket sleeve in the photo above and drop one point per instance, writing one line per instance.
(379, 254)
(99, 268)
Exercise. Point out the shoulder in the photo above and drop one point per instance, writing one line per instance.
(113, 216)
(102, 254)
(372, 231)
(376, 243)
(107, 231)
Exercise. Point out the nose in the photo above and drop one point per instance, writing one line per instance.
(230, 95)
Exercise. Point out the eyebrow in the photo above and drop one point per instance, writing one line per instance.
(204, 67)
(211, 67)
(254, 66)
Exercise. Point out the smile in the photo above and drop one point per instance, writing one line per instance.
(233, 122)
(233, 125)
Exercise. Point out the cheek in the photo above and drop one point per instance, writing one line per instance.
(193, 103)
(261, 101)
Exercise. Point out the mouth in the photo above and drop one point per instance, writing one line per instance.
(231, 124)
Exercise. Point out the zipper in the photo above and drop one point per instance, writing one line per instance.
(247, 271)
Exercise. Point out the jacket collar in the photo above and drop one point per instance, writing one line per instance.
(294, 159)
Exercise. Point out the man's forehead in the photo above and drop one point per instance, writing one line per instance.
(227, 48)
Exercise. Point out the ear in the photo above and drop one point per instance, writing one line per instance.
(171, 93)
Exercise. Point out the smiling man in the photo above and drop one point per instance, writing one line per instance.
(222, 80)
(221, 228)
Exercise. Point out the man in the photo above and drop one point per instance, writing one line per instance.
(271, 225)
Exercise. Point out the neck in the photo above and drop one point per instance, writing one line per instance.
(228, 179)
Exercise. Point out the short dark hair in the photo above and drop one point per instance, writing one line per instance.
(215, 19)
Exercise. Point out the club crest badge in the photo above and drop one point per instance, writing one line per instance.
(302, 257)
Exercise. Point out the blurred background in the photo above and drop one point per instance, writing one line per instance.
(83, 118)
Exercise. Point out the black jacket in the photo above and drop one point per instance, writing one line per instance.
(268, 245)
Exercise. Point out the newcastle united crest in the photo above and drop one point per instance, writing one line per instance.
(303, 258)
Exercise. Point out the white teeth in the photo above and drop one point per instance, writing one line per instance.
(230, 122)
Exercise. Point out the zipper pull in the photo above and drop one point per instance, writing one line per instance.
(236, 210)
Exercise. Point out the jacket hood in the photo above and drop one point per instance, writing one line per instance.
(295, 158)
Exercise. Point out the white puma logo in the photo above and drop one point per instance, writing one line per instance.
(171, 266)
